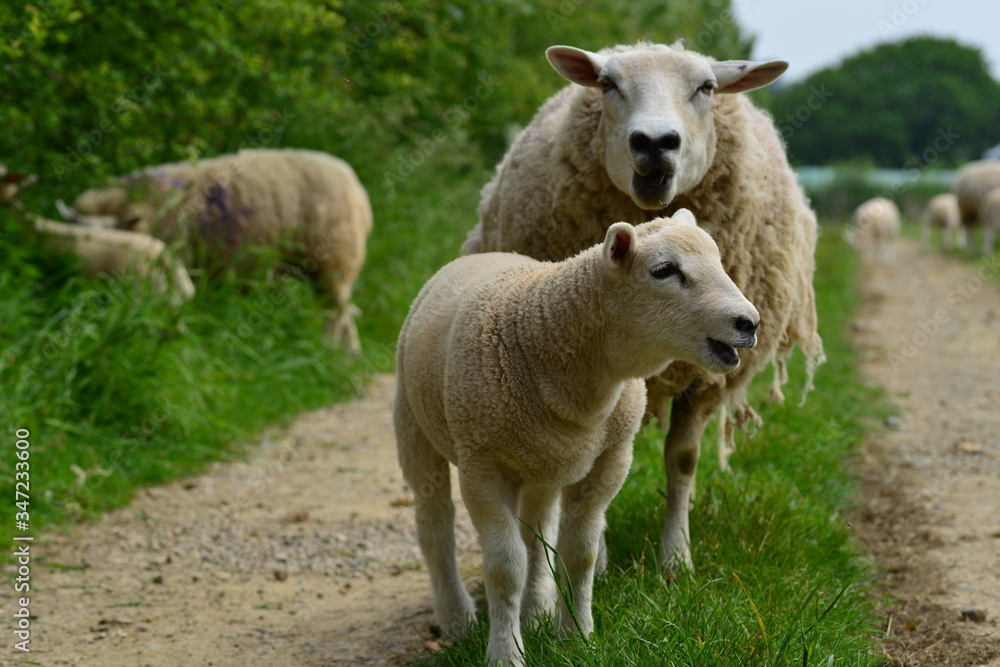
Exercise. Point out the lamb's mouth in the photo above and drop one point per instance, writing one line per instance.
(657, 179)
(724, 353)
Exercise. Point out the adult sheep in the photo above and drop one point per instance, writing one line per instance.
(942, 212)
(877, 226)
(972, 183)
(646, 130)
(527, 376)
(989, 213)
(309, 204)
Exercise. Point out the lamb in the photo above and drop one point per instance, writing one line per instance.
(309, 204)
(989, 213)
(942, 212)
(646, 130)
(972, 183)
(121, 254)
(526, 376)
(877, 226)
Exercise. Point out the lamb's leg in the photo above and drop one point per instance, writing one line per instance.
(539, 513)
(584, 505)
(427, 473)
(688, 417)
(492, 502)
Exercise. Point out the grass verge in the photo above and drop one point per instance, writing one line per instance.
(778, 579)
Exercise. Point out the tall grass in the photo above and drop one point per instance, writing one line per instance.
(778, 580)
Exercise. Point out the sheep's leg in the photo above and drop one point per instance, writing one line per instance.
(427, 473)
(539, 514)
(584, 505)
(492, 502)
(334, 289)
(989, 238)
(688, 418)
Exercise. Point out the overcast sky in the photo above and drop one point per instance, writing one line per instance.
(812, 34)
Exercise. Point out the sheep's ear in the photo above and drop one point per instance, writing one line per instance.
(577, 65)
(69, 214)
(685, 217)
(737, 76)
(619, 245)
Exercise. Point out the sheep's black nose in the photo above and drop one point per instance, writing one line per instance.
(746, 325)
(643, 144)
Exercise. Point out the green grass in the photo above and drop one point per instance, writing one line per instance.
(120, 392)
(778, 580)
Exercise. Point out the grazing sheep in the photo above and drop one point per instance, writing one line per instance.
(972, 183)
(527, 377)
(309, 204)
(942, 212)
(647, 130)
(877, 226)
(121, 254)
(989, 213)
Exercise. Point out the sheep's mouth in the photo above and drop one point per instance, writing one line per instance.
(725, 354)
(657, 179)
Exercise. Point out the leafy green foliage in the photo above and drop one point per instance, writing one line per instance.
(87, 92)
(910, 103)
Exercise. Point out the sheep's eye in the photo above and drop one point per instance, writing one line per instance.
(607, 85)
(668, 270)
(707, 87)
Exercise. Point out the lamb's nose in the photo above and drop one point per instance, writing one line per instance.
(746, 326)
(643, 144)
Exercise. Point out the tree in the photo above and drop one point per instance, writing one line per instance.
(910, 103)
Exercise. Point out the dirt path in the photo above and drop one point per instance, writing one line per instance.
(305, 554)
(930, 331)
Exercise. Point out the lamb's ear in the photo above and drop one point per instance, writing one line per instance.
(737, 76)
(685, 217)
(619, 245)
(577, 65)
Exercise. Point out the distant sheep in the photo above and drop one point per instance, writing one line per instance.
(942, 212)
(526, 376)
(973, 182)
(877, 227)
(120, 254)
(309, 204)
(650, 129)
(989, 213)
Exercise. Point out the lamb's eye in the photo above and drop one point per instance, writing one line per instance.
(668, 270)
(707, 87)
(607, 85)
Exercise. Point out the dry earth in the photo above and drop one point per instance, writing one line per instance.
(305, 554)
